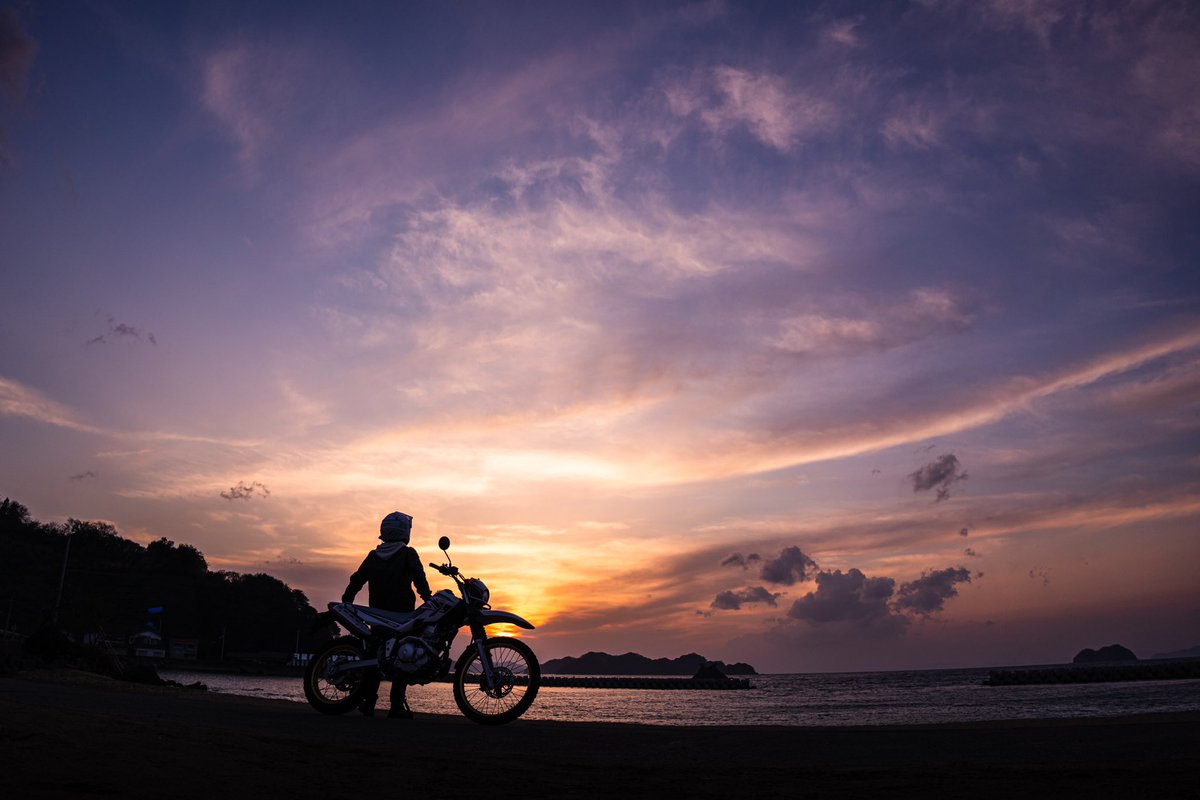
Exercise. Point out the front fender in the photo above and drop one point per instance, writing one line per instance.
(490, 616)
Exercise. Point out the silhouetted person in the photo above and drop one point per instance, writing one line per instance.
(390, 571)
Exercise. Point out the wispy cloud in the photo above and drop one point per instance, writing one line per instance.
(22, 401)
(246, 491)
(121, 330)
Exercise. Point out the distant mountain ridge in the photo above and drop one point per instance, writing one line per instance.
(594, 663)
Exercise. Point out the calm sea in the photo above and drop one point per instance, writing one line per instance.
(855, 698)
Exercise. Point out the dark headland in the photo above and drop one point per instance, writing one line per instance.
(68, 734)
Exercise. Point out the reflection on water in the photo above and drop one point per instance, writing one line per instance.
(872, 698)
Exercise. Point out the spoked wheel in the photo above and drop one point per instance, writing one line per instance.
(516, 676)
(328, 691)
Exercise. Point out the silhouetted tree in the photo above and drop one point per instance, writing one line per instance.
(111, 581)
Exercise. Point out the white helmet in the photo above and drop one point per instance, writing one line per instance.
(396, 527)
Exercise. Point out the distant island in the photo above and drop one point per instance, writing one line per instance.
(1114, 652)
(636, 664)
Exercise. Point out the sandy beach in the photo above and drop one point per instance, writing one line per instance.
(69, 734)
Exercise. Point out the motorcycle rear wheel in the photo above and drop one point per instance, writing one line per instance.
(518, 676)
(342, 694)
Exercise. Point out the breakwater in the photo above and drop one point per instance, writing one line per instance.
(631, 682)
(612, 682)
(1097, 673)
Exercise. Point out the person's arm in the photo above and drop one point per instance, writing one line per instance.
(418, 573)
(357, 581)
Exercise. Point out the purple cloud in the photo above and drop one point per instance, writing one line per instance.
(732, 600)
(789, 567)
(738, 560)
(939, 474)
(849, 597)
(121, 330)
(928, 594)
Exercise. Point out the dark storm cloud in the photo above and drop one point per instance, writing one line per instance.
(939, 474)
(738, 560)
(789, 567)
(874, 604)
(120, 330)
(929, 593)
(17, 50)
(848, 597)
(83, 476)
(731, 600)
(244, 491)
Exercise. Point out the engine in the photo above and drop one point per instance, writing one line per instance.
(413, 657)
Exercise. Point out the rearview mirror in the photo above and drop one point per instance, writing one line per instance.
(444, 543)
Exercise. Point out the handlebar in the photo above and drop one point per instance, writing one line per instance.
(445, 569)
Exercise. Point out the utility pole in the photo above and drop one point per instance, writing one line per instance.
(62, 576)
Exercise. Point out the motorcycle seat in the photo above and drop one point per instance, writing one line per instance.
(394, 616)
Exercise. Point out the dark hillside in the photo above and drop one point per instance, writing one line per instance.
(111, 583)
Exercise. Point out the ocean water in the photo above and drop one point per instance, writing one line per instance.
(836, 699)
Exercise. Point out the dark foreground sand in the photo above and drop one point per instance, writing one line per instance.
(72, 735)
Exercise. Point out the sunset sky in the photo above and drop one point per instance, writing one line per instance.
(823, 336)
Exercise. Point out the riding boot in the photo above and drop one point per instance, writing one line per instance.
(400, 709)
(370, 694)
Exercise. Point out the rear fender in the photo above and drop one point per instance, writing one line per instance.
(345, 614)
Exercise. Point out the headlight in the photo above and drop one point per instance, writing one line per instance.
(478, 592)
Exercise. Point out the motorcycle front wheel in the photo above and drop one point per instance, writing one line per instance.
(334, 694)
(516, 675)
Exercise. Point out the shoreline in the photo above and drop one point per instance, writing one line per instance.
(70, 734)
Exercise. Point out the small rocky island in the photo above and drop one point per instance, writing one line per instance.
(1105, 655)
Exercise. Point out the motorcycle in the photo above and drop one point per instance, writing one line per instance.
(495, 678)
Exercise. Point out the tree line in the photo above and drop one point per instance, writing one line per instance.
(110, 584)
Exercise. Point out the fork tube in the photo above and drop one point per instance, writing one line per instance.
(479, 635)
